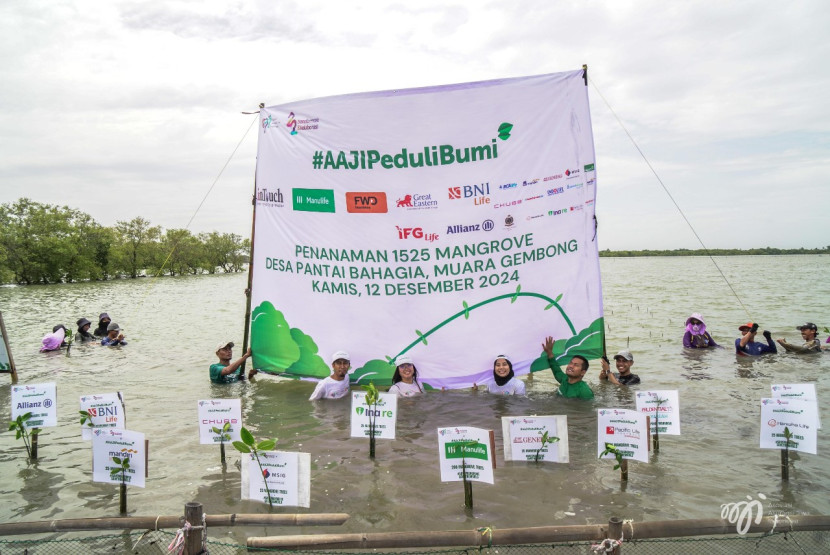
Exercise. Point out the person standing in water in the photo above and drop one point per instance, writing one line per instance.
(336, 385)
(746, 344)
(811, 343)
(405, 381)
(504, 381)
(696, 336)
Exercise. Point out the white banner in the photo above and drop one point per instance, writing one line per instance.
(385, 414)
(288, 476)
(799, 417)
(466, 449)
(626, 430)
(798, 392)
(215, 413)
(664, 409)
(108, 444)
(106, 410)
(421, 221)
(523, 438)
(40, 399)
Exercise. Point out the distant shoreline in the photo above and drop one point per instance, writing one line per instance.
(713, 252)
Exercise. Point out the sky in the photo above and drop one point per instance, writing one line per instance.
(128, 108)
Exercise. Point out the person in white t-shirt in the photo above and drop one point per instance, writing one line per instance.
(405, 381)
(505, 382)
(336, 385)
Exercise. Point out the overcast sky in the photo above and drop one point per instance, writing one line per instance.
(126, 108)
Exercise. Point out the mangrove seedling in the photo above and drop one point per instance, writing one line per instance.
(372, 397)
(21, 431)
(546, 440)
(223, 436)
(86, 418)
(785, 455)
(250, 445)
(123, 465)
(622, 464)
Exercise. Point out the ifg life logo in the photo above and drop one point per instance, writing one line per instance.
(741, 513)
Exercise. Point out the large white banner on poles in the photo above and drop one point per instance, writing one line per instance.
(451, 224)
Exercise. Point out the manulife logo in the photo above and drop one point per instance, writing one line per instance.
(313, 200)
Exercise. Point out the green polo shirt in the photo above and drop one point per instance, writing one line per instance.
(579, 390)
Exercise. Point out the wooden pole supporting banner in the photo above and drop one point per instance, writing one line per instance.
(538, 535)
(193, 533)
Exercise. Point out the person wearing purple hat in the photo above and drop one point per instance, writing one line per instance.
(103, 321)
(54, 340)
(696, 336)
(811, 342)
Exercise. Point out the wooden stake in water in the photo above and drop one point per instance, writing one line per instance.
(785, 455)
(468, 486)
(35, 432)
(122, 498)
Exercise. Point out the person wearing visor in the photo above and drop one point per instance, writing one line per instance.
(405, 381)
(224, 371)
(811, 343)
(746, 344)
(336, 385)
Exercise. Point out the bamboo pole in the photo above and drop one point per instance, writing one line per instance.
(542, 534)
(193, 534)
(158, 522)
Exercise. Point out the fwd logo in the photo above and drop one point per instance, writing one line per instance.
(366, 203)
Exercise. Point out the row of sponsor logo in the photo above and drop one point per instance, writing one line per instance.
(369, 202)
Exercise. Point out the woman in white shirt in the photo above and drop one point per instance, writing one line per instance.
(405, 381)
(506, 383)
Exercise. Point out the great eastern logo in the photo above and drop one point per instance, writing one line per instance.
(366, 203)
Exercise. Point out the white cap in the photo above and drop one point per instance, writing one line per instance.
(505, 357)
(404, 359)
(225, 344)
(340, 354)
(625, 354)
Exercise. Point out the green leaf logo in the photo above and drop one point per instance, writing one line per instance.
(360, 411)
(504, 131)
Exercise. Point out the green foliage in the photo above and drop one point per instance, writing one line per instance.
(309, 360)
(21, 431)
(587, 342)
(546, 440)
(86, 418)
(123, 466)
(380, 371)
(611, 450)
(42, 243)
(223, 432)
(250, 445)
(273, 343)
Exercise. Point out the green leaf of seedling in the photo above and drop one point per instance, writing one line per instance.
(18, 434)
(12, 426)
(266, 445)
(559, 298)
(126, 464)
(226, 427)
(114, 471)
(216, 430)
(421, 335)
(116, 460)
(247, 436)
(35, 431)
(241, 447)
(26, 416)
(616, 466)
(466, 310)
(516, 294)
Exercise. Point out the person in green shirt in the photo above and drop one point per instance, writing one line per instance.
(570, 381)
(226, 371)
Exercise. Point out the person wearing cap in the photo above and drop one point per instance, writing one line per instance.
(811, 342)
(696, 336)
(114, 336)
(505, 381)
(226, 371)
(83, 334)
(103, 321)
(570, 381)
(336, 385)
(746, 344)
(624, 360)
(405, 381)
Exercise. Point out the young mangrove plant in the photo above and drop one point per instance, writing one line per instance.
(123, 465)
(622, 464)
(785, 455)
(86, 418)
(223, 436)
(28, 435)
(250, 445)
(372, 398)
(546, 440)
(658, 401)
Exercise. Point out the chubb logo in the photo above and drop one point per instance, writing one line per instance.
(415, 233)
